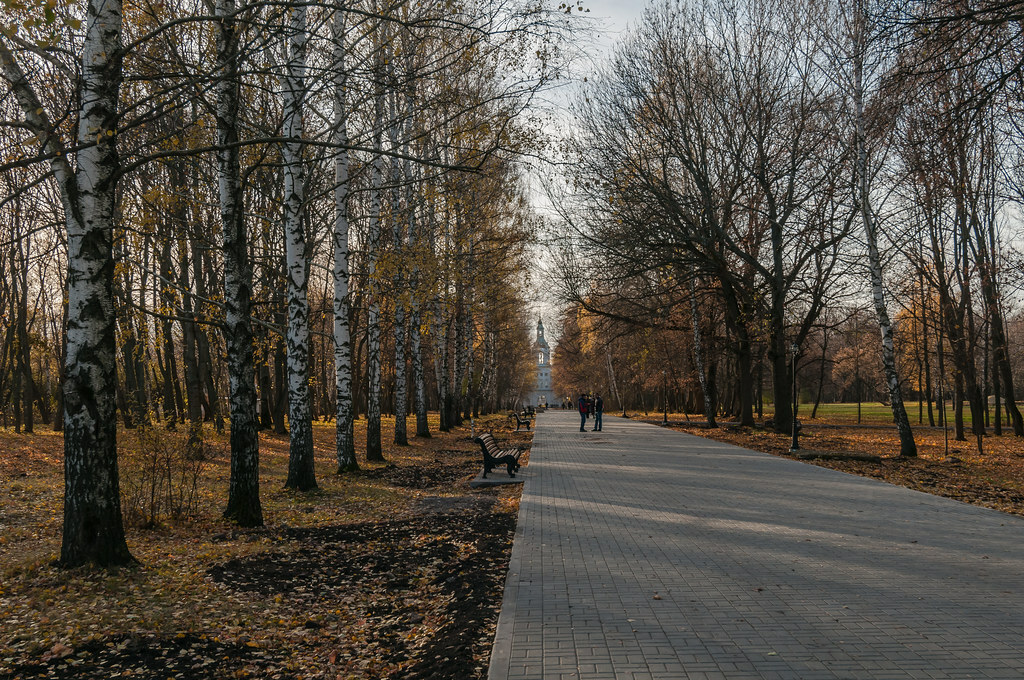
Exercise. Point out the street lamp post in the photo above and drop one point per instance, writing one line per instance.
(794, 349)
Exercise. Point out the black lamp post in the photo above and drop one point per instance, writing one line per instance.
(794, 349)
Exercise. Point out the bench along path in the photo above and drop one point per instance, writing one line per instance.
(646, 553)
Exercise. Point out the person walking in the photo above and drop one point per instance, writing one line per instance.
(598, 411)
(582, 406)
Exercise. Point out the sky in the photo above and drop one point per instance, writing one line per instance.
(617, 13)
(611, 18)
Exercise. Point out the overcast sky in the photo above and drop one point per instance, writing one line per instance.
(616, 13)
(612, 17)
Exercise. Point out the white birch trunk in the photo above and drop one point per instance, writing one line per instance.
(91, 497)
(301, 474)
(243, 491)
(374, 451)
(908, 447)
(93, 528)
(398, 174)
(344, 430)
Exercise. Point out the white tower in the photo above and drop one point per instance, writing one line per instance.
(542, 394)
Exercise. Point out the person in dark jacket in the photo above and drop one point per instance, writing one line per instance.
(583, 408)
(598, 410)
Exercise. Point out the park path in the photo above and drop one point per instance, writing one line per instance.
(643, 553)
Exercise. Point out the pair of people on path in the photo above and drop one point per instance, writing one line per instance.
(587, 406)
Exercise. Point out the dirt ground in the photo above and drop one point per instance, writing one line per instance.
(394, 571)
(993, 478)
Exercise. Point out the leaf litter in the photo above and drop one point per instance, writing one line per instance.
(394, 571)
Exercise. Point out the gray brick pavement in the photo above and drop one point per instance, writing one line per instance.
(646, 553)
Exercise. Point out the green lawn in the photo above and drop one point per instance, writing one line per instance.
(876, 413)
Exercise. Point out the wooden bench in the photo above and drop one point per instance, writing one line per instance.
(519, 420)
(495, 456)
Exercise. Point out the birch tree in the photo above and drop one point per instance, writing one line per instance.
(93, 530)
(374, 451)
(244, 488)
(301, 474)
(860, 37)
(344, 423)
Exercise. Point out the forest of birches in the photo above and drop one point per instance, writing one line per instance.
(252, 214)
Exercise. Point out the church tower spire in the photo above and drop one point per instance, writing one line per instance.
(542, 394)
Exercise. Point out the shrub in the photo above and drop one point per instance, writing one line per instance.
(160, 473)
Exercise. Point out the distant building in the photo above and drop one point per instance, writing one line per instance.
(542, 394)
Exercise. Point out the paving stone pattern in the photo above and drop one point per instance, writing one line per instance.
(646, 554)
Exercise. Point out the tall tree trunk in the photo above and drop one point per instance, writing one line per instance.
(929, 396)
(206, 378)
(202, 266)
(93, 528)
(441, 371)
(457, 392)
(743, 348)
(1003, 373)
(706, 386)
(266, 418)
(468, 336)
(168, 306)
(908, 447)
(345, 448)
(12, 351)
(280, 378)
(958, 408)
(781, 379)
(418, 375)
(58, 412)
(24, 359)
(244, 487)
(301, 473)
(398, 176)
(821, 372)
(374, 451)
(193, 388)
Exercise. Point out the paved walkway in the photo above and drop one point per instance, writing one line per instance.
(646, 553)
